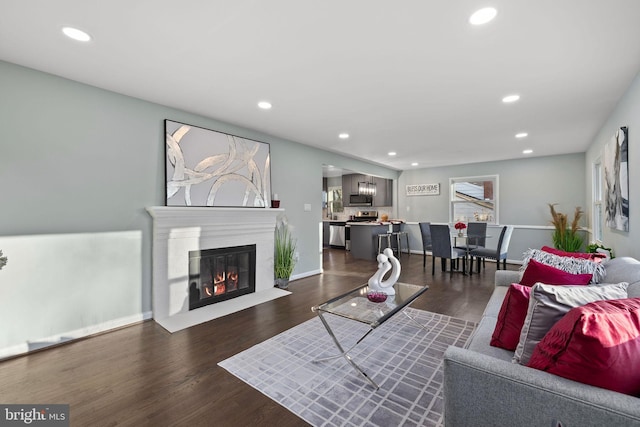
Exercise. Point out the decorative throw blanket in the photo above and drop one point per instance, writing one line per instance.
(568, 264)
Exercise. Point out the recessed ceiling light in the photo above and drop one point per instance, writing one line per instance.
(343, 135)
(76, 34)
(265, 105)
(522, 135)
(483, 16)
(392, 153)
(528, 151)
(510, 98)
(414, 164)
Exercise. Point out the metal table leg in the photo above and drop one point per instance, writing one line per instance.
(344, 353)
(415, 321)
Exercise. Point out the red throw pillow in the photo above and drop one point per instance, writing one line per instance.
(593, 257)
(511, 317)
(597, 344)
(539, 272)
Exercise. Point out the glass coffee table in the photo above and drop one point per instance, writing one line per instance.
(356, 306)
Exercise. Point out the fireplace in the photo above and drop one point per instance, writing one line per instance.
(220, 274)
(178, 231)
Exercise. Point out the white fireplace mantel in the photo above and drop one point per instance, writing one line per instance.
(178, 230)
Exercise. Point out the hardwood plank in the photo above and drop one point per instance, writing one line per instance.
(142, 375)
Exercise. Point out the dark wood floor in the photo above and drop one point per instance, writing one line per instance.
(144, 376)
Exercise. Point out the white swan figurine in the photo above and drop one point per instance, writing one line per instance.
(386, 261)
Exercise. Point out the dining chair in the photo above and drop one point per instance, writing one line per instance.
(442, 248)
(498, 254)
(425, 230)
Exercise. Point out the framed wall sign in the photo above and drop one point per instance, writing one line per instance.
(423, 189)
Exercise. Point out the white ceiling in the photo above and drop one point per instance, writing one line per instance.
(410, 76)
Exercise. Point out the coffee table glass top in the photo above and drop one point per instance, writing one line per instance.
(355, 305)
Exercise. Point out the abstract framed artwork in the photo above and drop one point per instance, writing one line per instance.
(210, 168)
(616, 180)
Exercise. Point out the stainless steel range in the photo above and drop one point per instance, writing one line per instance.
(363, 216)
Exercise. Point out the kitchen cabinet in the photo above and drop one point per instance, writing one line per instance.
(350, 186)
(384, 188)
(346, 188)
(364, 239)
(384, 192)
(350, 183)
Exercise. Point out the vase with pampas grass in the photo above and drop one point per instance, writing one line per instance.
(565, 236)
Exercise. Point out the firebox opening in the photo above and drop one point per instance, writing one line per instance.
(220, 274)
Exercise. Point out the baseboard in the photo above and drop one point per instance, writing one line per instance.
(306, 274)
(54, 340)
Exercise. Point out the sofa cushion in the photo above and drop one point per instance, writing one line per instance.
(591, 256)
(568, 264)
(547, 305)
(539, 272)
(596, 344)
(623, 269)
(479, 341)
(511, 317)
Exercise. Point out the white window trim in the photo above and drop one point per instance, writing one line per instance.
(496, 193)
(597, 222)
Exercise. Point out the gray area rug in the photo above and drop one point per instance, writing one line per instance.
(404, 359)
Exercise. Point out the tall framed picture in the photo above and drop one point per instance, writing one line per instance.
(210, 168)
(616, 180)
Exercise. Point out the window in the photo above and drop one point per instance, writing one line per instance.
(597, 217)
(335, 200)
(474, 199)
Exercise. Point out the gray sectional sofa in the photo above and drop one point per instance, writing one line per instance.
(482, 387)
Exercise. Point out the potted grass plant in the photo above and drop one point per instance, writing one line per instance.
(3, 260)
(565, 236)
(284, 257)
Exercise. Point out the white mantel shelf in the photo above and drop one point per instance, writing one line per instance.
(178, 230)
(180, 213)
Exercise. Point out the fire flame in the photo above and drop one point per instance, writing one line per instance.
(232, 280)
(219, 277)
(219, 289)
(208, 290)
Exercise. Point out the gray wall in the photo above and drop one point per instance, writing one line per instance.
(78, 160)
(626, 113)
(526, 186)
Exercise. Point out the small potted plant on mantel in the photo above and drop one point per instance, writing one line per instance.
(3, 260)
(284, 257)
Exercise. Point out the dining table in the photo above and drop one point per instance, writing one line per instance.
(466, 240)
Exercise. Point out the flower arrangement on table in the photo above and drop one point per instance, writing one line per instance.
(460, 226)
